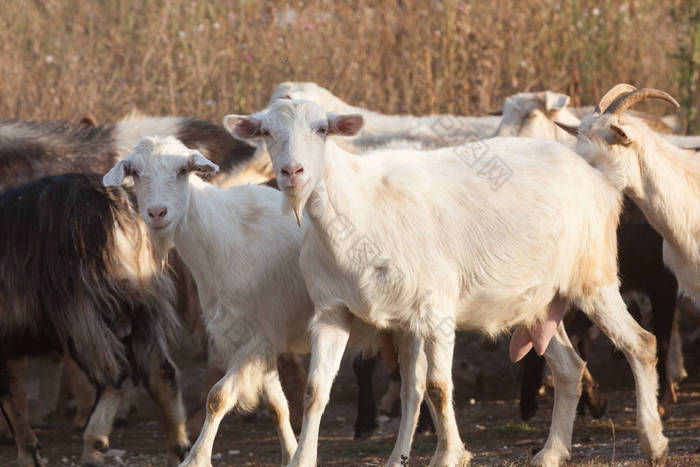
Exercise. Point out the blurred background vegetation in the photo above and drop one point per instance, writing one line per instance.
(60, 59)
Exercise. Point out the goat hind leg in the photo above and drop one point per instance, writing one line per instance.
(413, 370)
(224, 396)
(439, 350)
(279, 409)
(533, 367)
(366, 418)
(27, 444)
(607, 310)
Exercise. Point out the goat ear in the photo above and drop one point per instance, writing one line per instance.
(88, 119)
(554, 101)
(117, 174)
(200, 164)
(242, 126)
(619, 136)
(345, 125)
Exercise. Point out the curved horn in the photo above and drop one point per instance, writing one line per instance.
(572, 130)
(626, 101)
(611, 95)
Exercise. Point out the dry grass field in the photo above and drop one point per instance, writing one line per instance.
(62, 58)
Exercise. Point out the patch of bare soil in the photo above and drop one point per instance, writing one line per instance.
(489, 422)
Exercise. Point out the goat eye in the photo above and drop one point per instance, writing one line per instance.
(264, 133)
(322, 130)
(134, 174)
(182, 172)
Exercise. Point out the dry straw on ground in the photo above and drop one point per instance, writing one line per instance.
(62, 58)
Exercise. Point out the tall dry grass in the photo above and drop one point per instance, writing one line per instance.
(59, 59)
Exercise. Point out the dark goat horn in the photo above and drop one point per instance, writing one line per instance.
(626, 101)
(611, 95)
(572, 130)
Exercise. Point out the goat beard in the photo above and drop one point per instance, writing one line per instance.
(161, 246)
(295, 205)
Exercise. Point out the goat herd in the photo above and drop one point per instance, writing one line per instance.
(387, 233)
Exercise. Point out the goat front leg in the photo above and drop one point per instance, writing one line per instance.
(330, 333)
(50, 371)
(99, 426)
(27, 444)
(567, 368)
(164, 388)
(412, 366)
(83, 391)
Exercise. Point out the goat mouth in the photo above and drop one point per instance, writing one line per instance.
(160, 226)
(295, 187)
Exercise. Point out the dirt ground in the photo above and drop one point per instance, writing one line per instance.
(489, 422)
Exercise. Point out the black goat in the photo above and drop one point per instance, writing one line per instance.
(29, 150)
(78, 277)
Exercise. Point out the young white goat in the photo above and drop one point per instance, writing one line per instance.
(243, 254)
(424, 242)
(380, 129)
(663, 180)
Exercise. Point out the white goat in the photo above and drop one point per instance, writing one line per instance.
(423, 242)
(545, 115)
(663, 180)
(243, 254)
(380, 129)
(532, 115)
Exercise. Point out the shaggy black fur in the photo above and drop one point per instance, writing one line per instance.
(63, 285)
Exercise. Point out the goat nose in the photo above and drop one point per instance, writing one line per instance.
(157, 212)
(292, 170)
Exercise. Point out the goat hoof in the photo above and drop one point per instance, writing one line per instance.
(461, 458)
(100, 446)
(598, 411)
(181, 450)
(551, 456)
(527, 413)
(38, 461)
(660, 460)
(366, 430)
